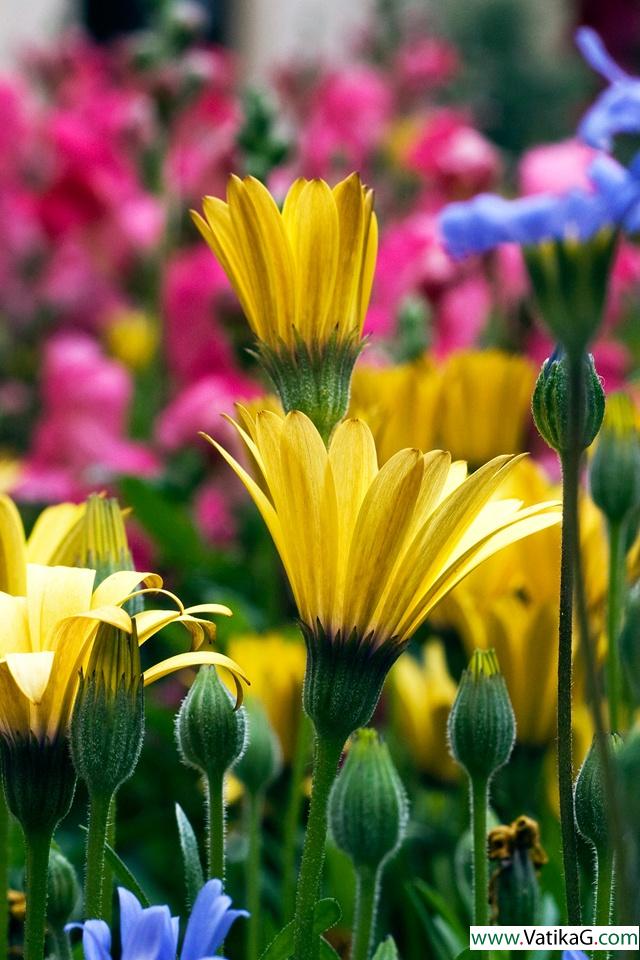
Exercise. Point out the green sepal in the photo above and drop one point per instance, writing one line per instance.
(550, 403)
(39, 782)
(193, 873)
(570, 281)
(591, 805)
(327, 914)
(343, 679)
(211, 733)
(261, 761)
(313, 378)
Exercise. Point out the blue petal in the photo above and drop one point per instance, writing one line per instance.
(130, 911)
(574, 955)
(475, 226)
(619, 189)
(209, 923)
(151, 937)
(616, 111)
(593, 50)
(96, 939)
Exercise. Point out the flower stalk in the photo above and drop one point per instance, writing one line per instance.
(479, 794)
(94, 892)
(37, 845)
(292, 817)
(216, 825)
(367, 892)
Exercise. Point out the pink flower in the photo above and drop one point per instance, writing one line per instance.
(214, 514)
(425, 62)
(348, 116)
(199, 407)
(454, 156)
(203, 145)
(461, 315)
(555, 167)
(195, 289)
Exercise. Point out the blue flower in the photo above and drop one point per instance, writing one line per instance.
(152, 933)
(617, 109)
(486, 221)
(574, 955)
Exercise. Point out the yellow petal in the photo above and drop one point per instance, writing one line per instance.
(368, 269)
(31, 672)
(349, 200)
(14, 625)
(51, 529)
(53, 594)
(182, 660)
(120, 585)
(13, 558)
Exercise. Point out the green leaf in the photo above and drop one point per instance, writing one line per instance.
(440, 906)
(387, 950)
(327, 913)
(193, 875)
(444, 942)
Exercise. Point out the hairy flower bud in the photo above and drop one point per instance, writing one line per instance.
(107, 726)
(368, 808)
(615, 468)
(592, 816)
(63, 889)
(261, 761)
(210, 732)
(481, 725)
(550, 403)
(517, 855)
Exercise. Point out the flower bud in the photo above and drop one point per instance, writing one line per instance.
(592, 816)
(615, 468)
(517, 855)
(481, 725)
(368, 808)
(210, 732)
(63, 889)
(550, 403)
(107, 726)
(261, 761)
(99, 540)
(39, 781)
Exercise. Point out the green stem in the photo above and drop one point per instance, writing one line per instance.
(617, 574)
(479, 793)
(96, 837)
(572, 518)
(570, 480)
(368, 885)
(292, 817)
(215, 826)
(37, 870)
(4, 871)
(326, 758)
(255, 806)
(61, 945)
(604, 894)
(107, 875)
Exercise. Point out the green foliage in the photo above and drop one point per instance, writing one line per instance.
(193, 873)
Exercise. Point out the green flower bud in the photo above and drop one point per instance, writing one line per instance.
(39, 782)
(516, 854)
(570, 280)
(210, 732)
(368, 808)
(482, 727)
(107, 726)
(550, 403)
(629, 643)
(98, 540)
(63, 889)
(615, 468)
(261, 761)
(592, 817)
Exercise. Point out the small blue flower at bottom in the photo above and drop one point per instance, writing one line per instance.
(151, 933)
(574, 955)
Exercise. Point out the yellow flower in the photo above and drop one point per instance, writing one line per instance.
(511, 603)
(277, 672)
(422, 694)
(132, 337)
(369, 550)
(306, 271)
(400, 404)
(49, 534)
(46, 637)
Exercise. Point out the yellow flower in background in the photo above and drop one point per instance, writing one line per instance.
(475, 404)
(511, 603)
(10, 469)
(486, 404)
(422, 694)
(277, 672)
(304, 272)
(46, 637)
(131, 336)
(400, 404)
(370, 551)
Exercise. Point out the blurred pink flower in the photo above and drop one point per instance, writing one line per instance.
(213, 508)
(555, 167)
(347, 119)
(203, 146)
(199, 407)
(453, 155)
(461, 314)
(425, 62)
(195, 287)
